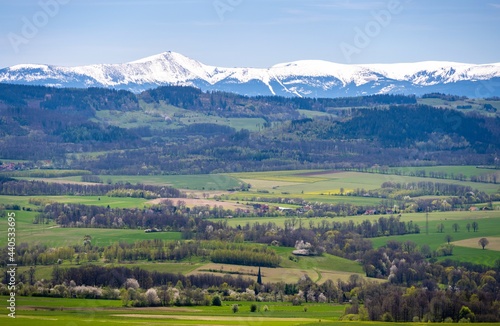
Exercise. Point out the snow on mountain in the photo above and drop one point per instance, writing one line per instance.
(300, 78)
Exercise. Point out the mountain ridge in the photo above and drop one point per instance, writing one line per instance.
(303, 78)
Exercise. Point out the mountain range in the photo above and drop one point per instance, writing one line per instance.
(306, 78)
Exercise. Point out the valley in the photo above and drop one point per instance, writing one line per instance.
(166, 202)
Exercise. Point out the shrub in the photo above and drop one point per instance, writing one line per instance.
(235, 308)
(253, 307)
(350, 317)
(216, 301)
(387, 317)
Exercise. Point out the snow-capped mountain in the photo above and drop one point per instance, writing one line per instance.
(312, 78)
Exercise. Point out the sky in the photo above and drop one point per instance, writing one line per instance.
(249, 33)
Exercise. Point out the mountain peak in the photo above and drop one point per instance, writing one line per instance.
(167, 55)
(315, 78)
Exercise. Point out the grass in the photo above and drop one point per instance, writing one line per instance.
(326, 262)
(113, 202)
(319, 269)
(58, 237)
(165, 116)
(474, 255)
(314, 185)
(468, 171)
(314, 114)
(54, 236)
(488, 227)
(323, 184)
(192, 182)
(59, 311)
(447, 218)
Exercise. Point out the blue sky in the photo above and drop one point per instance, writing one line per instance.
(249, 33)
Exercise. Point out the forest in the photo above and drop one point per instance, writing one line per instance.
(350, 135)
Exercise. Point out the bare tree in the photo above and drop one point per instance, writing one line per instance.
(448, 238)
(455, 227)
(483, 242)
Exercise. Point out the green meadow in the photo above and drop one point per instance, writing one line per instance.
(54, 236)
(112, 202)
(164, 116)
(208, 182)
(55, 311)
(327, 183)
(467, 171)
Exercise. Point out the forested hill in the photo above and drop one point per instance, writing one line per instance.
(405, 125)
(268, 107)
(177, 130)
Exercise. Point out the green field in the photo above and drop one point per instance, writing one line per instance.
(55, 311)
(54, 236)
(165, 116)
(319, 186)
(191, 182)
(325, 186)
(113, 202)
(314, 114)
(313, 185)
(468, 171)
(488, 221)
(448, 218)
(489, 226)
